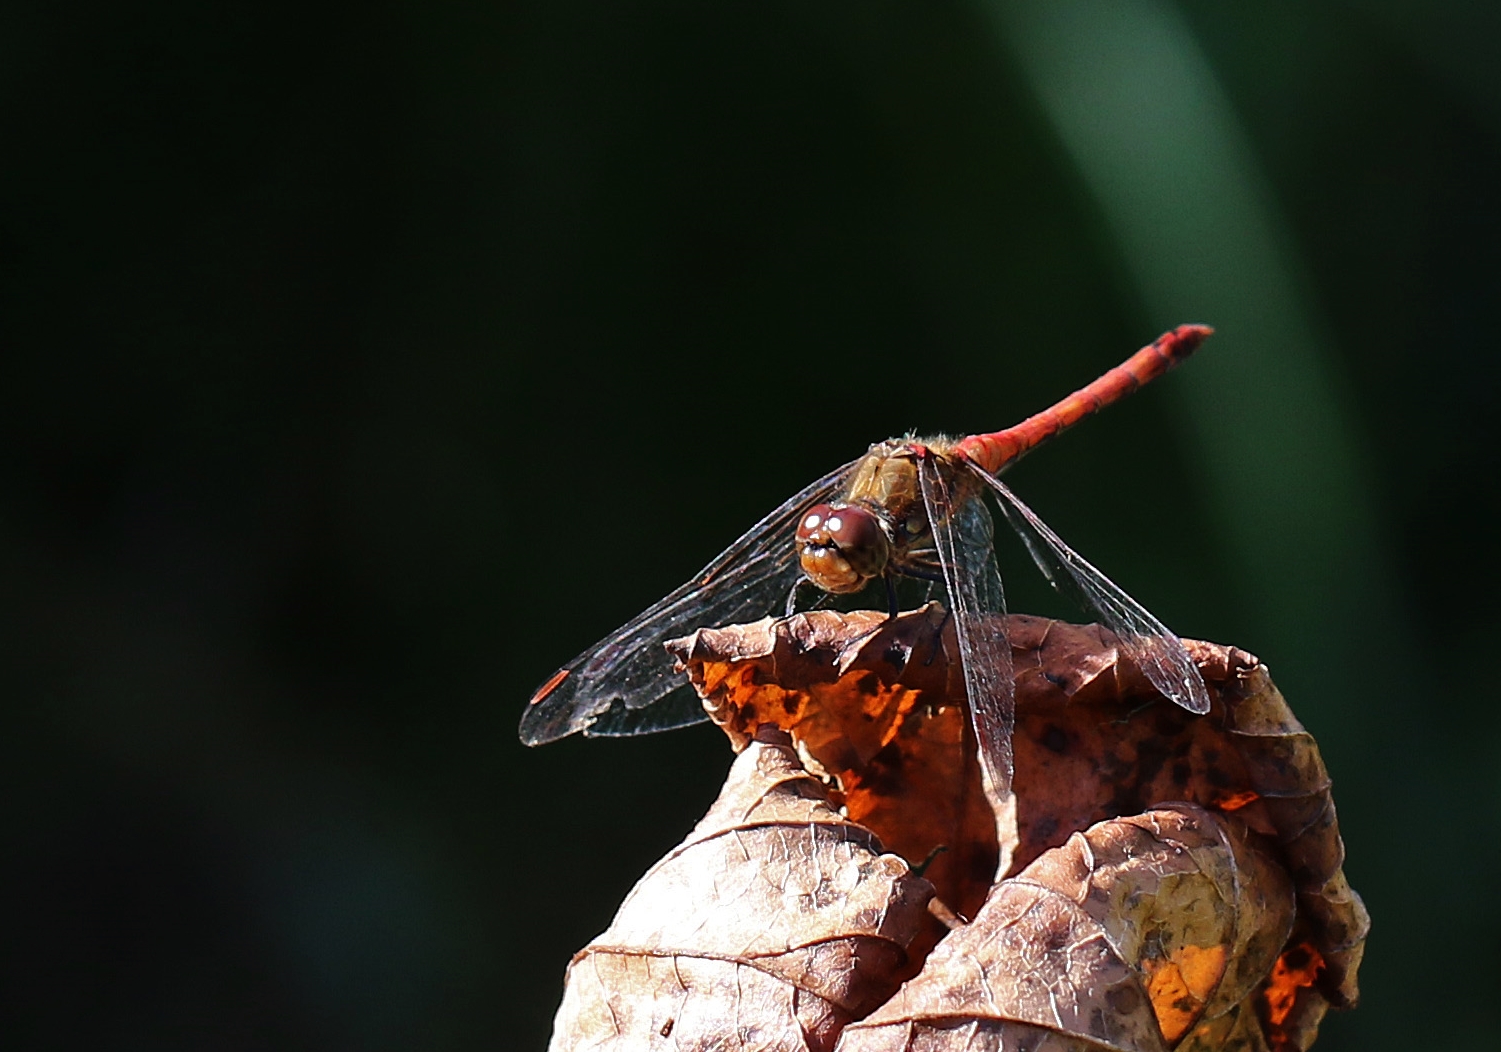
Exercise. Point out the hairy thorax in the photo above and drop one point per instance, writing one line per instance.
(879, 525)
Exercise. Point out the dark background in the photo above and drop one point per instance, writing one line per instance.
(364, 363)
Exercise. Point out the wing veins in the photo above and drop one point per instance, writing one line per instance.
(1150, 644)
(630, 669)
(989, 680)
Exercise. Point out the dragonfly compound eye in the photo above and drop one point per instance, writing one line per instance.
(841, 547)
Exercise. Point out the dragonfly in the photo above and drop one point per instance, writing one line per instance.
(909, 508)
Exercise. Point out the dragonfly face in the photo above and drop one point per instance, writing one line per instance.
(879, 525)
(841, 546)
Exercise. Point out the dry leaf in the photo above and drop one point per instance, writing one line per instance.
(772, 926)
(866, 699)
(875, 707)
(1127, 937)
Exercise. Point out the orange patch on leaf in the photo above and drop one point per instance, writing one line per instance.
(1180, 986)
(1234, 801)
(1296, 969)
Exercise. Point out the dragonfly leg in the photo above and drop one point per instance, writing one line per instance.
(792, 595)
(892, 607)
(922, 573)
(922, 867)
(943, 623)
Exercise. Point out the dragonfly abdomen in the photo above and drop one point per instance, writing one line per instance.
(999, 448)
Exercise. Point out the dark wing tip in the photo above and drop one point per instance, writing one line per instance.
(553, 682)
(539, 722)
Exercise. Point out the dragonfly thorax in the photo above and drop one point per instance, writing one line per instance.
(879, 525)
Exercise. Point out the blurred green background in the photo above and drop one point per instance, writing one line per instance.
(366, 362)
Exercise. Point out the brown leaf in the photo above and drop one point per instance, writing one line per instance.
(876, 707)
(775, 923)
(866, 699)
(1125, 938)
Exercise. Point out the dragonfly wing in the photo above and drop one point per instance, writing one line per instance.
(626, 683)
(1150, 644)
(963, 536)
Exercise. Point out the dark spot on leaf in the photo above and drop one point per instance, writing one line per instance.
(1168, 722)
(1126, 801)
(1151, 754)
(883, 775)
(1055, 935)
(1032, 1041)
(1044, 830)
(1124, 999)
(1297, 958)
(1055, 738)
(982, 867)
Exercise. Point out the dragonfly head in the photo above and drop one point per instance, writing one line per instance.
(842, 546)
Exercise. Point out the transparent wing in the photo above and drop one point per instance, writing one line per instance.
(626, 683)
(965, 541)
(1150, 644)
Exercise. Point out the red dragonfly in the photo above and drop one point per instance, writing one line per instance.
(907, 508)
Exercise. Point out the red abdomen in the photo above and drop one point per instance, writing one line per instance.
(994, 451)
